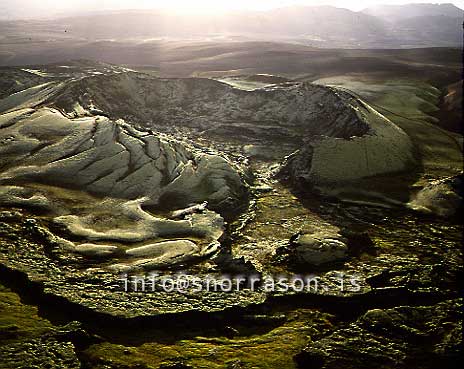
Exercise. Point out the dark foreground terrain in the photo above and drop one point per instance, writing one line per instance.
(341, 165)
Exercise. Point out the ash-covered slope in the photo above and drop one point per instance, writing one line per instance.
(326, 162)
(340, 138)
(343, 138)
(94, 179)
(112, 159)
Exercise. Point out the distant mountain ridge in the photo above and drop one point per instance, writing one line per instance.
(440, 23)
(413, 25)
(401, 12)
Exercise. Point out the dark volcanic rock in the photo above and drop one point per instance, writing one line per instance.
(39, 353)
(55, 349)
(359, 242)
(402, 337)
(85, 286)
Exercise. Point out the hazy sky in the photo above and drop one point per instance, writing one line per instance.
(33, 8)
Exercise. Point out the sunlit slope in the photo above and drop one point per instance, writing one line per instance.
(412, 105)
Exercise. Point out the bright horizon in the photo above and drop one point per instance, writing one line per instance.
(44, 8)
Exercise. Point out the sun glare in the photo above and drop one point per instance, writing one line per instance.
(214, 6)
(201, 6)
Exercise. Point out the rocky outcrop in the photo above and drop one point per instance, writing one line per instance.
(402, 337)
(441, 197)
(39, 353)
(315, 249)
